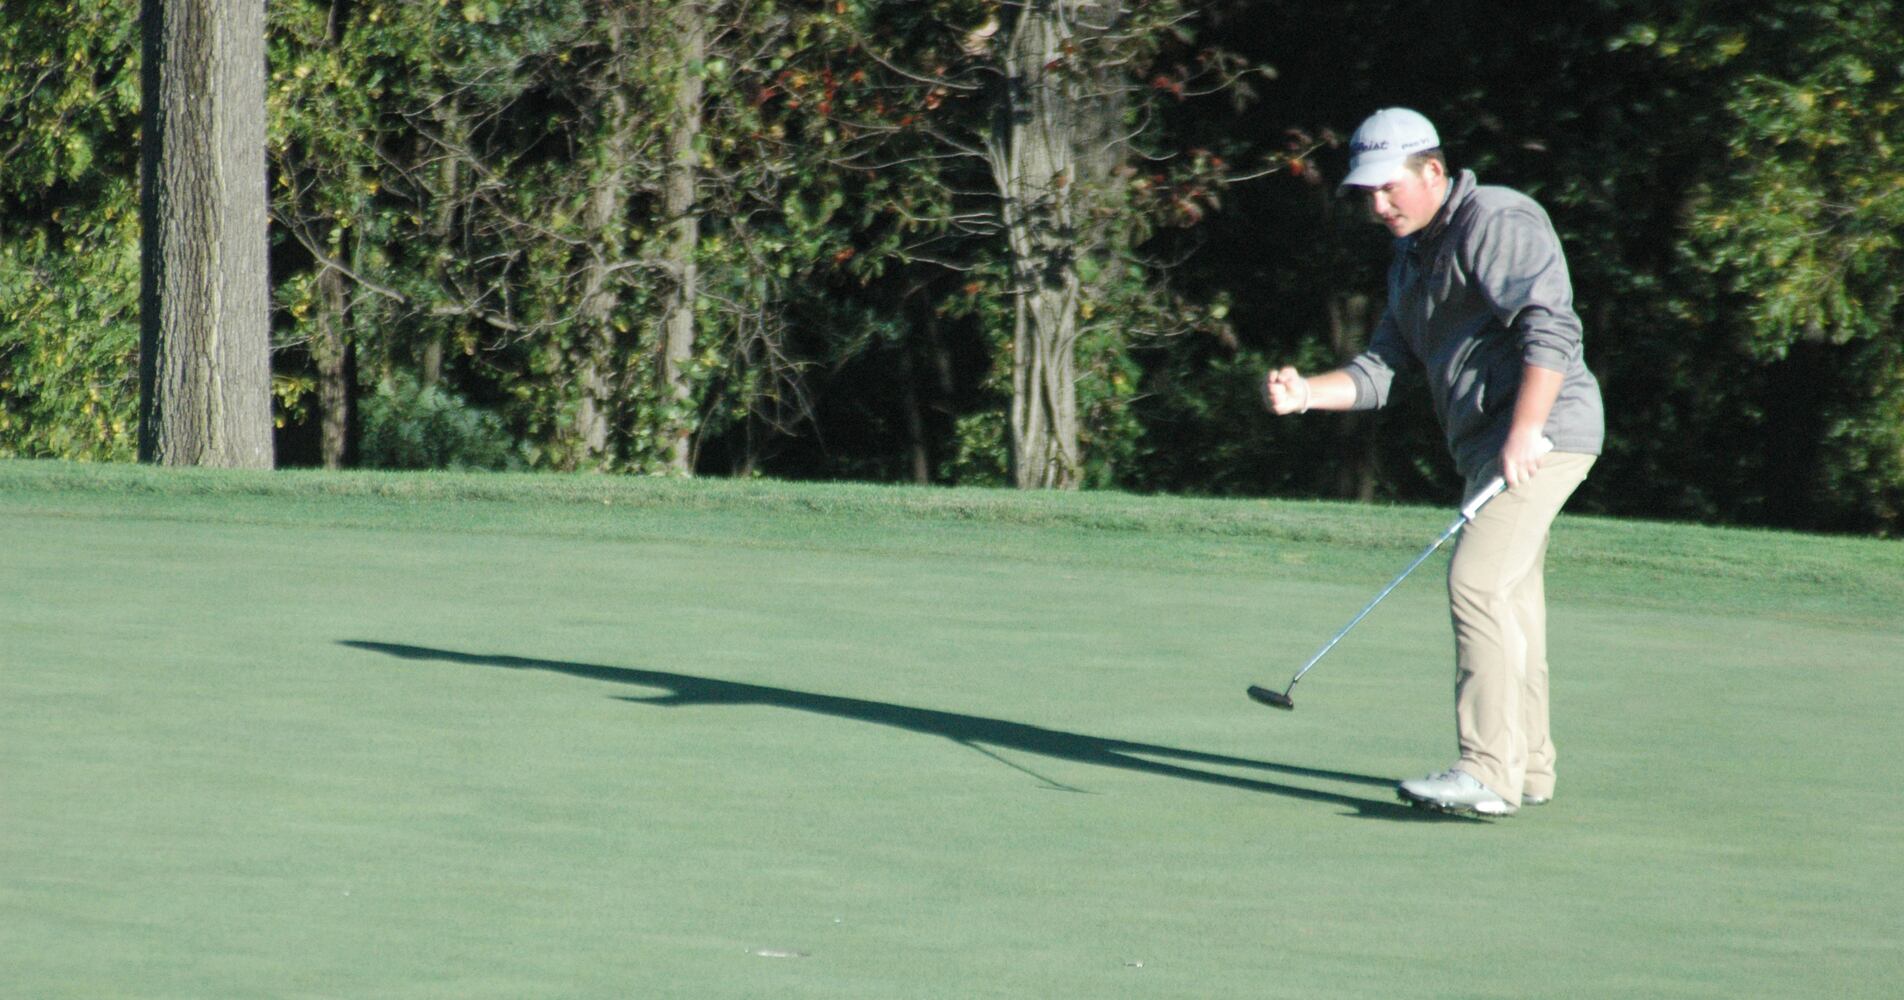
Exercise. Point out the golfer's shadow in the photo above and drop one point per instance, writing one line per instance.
(979, 733)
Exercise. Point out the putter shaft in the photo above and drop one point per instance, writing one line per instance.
(1468, 512)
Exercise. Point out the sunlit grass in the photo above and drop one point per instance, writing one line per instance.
(383, 735)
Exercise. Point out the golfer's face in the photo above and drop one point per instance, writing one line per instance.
(1408, 202)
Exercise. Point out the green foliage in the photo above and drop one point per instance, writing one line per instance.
(71, 86)
(1805, 220)
(412, 426)
(1797, 233)
(981, 454)
(69, 334)
(69, 237)
(1726, 179)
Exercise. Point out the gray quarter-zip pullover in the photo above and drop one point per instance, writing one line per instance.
(1473, 296)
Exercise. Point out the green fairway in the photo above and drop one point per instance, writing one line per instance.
(302, 734)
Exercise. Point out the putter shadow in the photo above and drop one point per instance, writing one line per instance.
(976, 732)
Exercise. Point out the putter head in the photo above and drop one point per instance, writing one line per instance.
(1274, 699)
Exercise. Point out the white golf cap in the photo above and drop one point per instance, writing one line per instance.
(1384, 142)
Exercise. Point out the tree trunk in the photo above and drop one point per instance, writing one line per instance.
(449, 197)
(678, 206)
(1351, 319)
(331, 353)
(915, 418)
(332, 346)
(1036, 174)
(205, 340)
(602, 222)
(927, 391)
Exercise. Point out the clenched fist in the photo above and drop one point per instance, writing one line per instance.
(1285, 391)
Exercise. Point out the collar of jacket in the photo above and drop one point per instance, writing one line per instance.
(1458, 192)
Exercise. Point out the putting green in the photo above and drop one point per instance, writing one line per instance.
(351, 735)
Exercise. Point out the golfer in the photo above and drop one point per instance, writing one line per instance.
(1480, 301)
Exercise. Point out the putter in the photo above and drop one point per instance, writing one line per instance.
(1494, 488)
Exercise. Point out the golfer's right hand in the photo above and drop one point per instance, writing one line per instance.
(1285, 391)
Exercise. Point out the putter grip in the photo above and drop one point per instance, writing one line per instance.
(1495, 487)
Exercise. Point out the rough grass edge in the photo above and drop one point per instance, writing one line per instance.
(1666, 548)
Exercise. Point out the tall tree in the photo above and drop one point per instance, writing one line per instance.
(603, 228)
(1051, 105)
(320, 148)
(679, 215)
(1034, 158)
(205, 361)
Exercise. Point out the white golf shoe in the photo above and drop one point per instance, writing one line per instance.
(1454, 791)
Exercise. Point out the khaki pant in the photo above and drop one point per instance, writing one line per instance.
(1497, 596)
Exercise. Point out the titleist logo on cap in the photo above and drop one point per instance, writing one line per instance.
(1360, 146)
